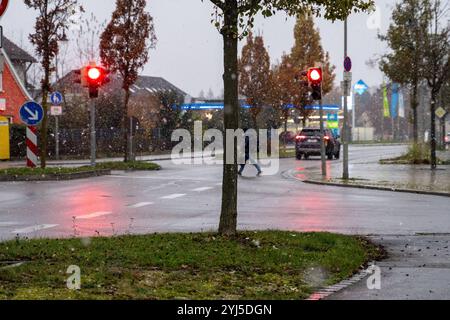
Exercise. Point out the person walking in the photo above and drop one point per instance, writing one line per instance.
(248, 157)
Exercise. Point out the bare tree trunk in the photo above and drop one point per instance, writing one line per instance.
(255, 114)
(125, 124)
(285, 132)
(433, 131)
(228, 217)
(414, 106)
(44, 125)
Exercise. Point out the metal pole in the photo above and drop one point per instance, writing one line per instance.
(93, 132)
(322, 142)
(57, 137)
(443, 132)
(354, 117)
(345, 137)
(131, 140)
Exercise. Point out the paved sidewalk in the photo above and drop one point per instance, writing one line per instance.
(418, 267)
(411, 177)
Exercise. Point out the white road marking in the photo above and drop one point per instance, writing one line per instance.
(93, 215)
(202, 189)
(34, 228)
(174, 196)
(8, 224)
(160, 178)
(140, 205)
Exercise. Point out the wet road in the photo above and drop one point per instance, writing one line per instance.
(187, 198)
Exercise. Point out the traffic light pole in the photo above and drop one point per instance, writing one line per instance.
(93, 132)
(322, 142)
(345, 136)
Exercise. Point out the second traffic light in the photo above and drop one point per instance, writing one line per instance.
(92, 77)
(315, 79)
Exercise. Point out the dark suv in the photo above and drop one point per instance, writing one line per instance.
(308, 144)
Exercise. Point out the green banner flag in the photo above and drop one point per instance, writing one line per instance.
(387, 112)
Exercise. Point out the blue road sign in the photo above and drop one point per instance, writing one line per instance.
(56, 98)
(361, 87)
(348, 64)
(332, 117)
(336, 132)
(31, 113)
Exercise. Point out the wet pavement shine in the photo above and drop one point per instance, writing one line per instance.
(185, 198)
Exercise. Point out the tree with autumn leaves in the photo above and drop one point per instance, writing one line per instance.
(52, 22)
(124, 49)
(282, 86)
(233, 18)
(254, 75)
(307, 52)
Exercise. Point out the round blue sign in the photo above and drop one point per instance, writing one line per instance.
(348, 64)
(31, 113)
(56, 98)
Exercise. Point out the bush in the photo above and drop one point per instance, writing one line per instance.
(419, 153)
(17, 141)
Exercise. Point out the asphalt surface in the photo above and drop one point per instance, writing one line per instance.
(418, 268)
(184, 198)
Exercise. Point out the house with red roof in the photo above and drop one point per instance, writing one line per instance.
(14, 87)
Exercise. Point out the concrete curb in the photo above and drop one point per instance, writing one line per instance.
(328, 291)
(57, 177)
(368, 187)
(87, 162)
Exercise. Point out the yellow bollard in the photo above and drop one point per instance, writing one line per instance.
(4, 139)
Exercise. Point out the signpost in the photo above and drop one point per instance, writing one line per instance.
(56, 98)
(441, 113)
(332, 121)
(348, 64)
(346, 87)
(32, 114)
(361, 87)
(56, 110)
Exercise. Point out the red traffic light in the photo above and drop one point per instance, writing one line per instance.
(94, 73)
(95, 76)
(315, 75)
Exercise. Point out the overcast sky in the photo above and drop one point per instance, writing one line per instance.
(189, 48)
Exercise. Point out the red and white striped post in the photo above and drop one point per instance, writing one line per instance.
(32, 147)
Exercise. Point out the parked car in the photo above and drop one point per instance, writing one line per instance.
(447, 139)
(287, 137)
(308, 144)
